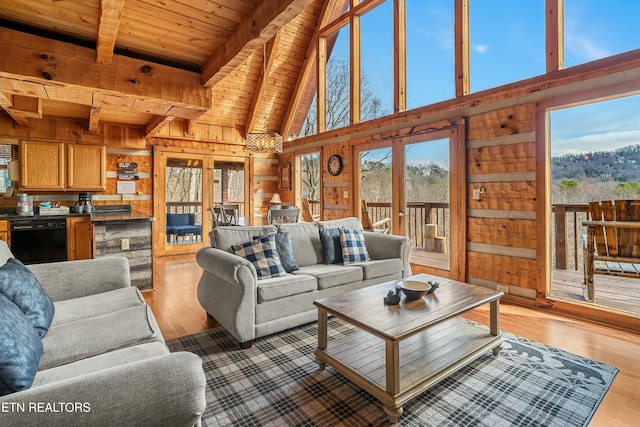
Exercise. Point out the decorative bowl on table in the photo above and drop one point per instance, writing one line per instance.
(414, 289)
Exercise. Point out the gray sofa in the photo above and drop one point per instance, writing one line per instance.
(104, 361)
(248, 308)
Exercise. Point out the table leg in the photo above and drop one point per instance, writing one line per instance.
(322, 335)
(495, 323)
(394, 413)
(392, 361)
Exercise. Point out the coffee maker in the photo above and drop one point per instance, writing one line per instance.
(84, 200)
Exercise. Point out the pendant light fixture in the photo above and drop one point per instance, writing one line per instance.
(264, 142)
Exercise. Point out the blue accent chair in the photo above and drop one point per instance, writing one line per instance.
(183, 224)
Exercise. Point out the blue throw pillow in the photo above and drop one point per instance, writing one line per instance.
(285, 251)
(353, 247)
(19, 284)
(263, 255)
(20, 348)
(331, 247)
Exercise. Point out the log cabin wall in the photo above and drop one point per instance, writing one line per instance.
(334, 203)
(501, 226)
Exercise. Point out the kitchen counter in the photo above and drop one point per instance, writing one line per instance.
(119, 216)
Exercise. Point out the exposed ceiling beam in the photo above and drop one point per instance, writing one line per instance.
(257, 102)
(110, 13)
(156, 124)
(49, 69)
(258, 28)
(94, 119)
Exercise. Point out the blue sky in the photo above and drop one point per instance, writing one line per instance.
(507, 45)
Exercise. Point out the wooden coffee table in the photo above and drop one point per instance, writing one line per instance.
(402, 350)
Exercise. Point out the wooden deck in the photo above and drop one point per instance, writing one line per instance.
(420, 257)
(618, 293)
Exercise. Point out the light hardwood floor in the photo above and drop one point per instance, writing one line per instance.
(176, 307)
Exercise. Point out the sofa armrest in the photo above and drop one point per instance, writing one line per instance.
(226, 266)
(165, 390)
(73, 279)
(227, 291)
(387, 246)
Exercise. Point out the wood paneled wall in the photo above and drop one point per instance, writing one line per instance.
(501, 237)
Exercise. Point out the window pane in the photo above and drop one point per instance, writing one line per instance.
(430, 54)
(427, 195)
(594, 151)
(338, 85)
(594, 30)
(184, 194)
(376, 57)
(310, 176)
(375, 176)
(507, 42)
(309, 124)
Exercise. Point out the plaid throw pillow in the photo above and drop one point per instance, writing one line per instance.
(353, 248)
(263, 255)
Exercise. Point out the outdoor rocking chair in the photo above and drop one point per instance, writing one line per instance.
(612, 243)
(381, 226)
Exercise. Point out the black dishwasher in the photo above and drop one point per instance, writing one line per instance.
(37, 240)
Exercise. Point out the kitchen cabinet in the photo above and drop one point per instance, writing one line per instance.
(4, 231)
(86, 169)
(61, 166)
(80, 242)
(42, 165)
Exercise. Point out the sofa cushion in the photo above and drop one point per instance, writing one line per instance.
(225, 236)
(306, 242)
(282, 287)
(83, 338)
(20, 348)
(98, 363)
(19, 285)
(352, 223)
(331, 246)
(330, 275)
(353, 247)
(263, 255)
(380, 267)
(95, 305)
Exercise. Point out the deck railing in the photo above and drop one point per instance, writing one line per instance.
(194, 208)
(416, 215)
(567, 231)
(566, 226)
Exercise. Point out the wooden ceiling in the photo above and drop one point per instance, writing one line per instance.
(146, 62)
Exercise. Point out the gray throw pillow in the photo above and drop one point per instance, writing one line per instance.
(285, 251)
(21, 287)
(20, 349)
(331, 247)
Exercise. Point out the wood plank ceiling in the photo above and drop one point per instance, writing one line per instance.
(144, 62)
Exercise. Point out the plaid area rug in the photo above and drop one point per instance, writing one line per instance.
(277, 383)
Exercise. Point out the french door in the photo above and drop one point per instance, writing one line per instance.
(419, 182)
(186, 184)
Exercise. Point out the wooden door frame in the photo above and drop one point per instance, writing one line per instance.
(160, 248)
(455, 131)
